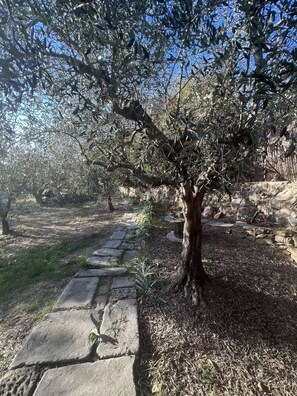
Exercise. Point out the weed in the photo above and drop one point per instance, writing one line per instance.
(146, 214)
(94, 335)
(145, 275)
(145, 219)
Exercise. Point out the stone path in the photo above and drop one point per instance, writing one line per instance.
(88, 345)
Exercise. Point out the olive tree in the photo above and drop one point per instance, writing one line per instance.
(128, 64)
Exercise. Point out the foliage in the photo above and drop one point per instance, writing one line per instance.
(145, 275)
(172, 93)
(144, 219)
(123, 68)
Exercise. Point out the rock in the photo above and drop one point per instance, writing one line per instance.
(261, 241)
(261, 231)
(130, 234)
(118, 235)
(79, 293)
(119, 330)
(129, 255)
(21, 381)
(123, 293)
(62, 336)
(289, 241)
(270, 241)
(171, 237)
(261, 236)
(105, 252)
(113, 244)
(123, 281)
(293, 253)
(98, 272)
(237, 202)
(132, 245)
(285, 195)
(279, 239)
(293, 220)
(97, 261)
(295, 240)
(208, 212)
(284, 233)
(218, 215)
(113, 377)
(275, 204)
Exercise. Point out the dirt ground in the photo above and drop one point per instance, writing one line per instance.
(42, 227)
(34, 226)
(243, 342)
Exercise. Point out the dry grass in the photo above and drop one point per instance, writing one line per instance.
(242, 343)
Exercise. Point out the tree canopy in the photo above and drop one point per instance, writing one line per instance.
(176, 92)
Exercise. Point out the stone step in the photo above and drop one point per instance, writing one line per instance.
(98, 272)
(107, 252)
(101, 262)
(79, 293)
(119, 334)
(113, 377)
(61, 337)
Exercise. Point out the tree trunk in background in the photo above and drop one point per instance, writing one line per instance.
(110, 205)
(5, 227)
(38, 197)
(192, 274)
(4, 212)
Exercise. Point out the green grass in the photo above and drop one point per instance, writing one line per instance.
(43, 264)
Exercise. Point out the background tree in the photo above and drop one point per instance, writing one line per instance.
(118, 58)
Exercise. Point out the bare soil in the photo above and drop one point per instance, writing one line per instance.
(34, 226)
(42, 227)
(242, 342)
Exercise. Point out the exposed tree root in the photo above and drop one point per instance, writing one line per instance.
(193, 288)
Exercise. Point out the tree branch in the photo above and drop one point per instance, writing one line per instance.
(138, 173)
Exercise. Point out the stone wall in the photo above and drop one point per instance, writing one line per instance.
(272, 203)
(269, 203)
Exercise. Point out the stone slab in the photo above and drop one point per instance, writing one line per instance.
(172, 238)
(119, 330)
(62, 336)
(123, 293)
(106, 252)
(112, 377)
(97, 261)
(128, 223)
(20, 382)
(98, 272)
(132, 227)
(118, 235)
(132, 245)
(79, 293)
(129, 255)
(127, 216)
(113, 244)
(123, 281)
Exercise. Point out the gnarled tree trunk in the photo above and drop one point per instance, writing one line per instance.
(192, 274)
